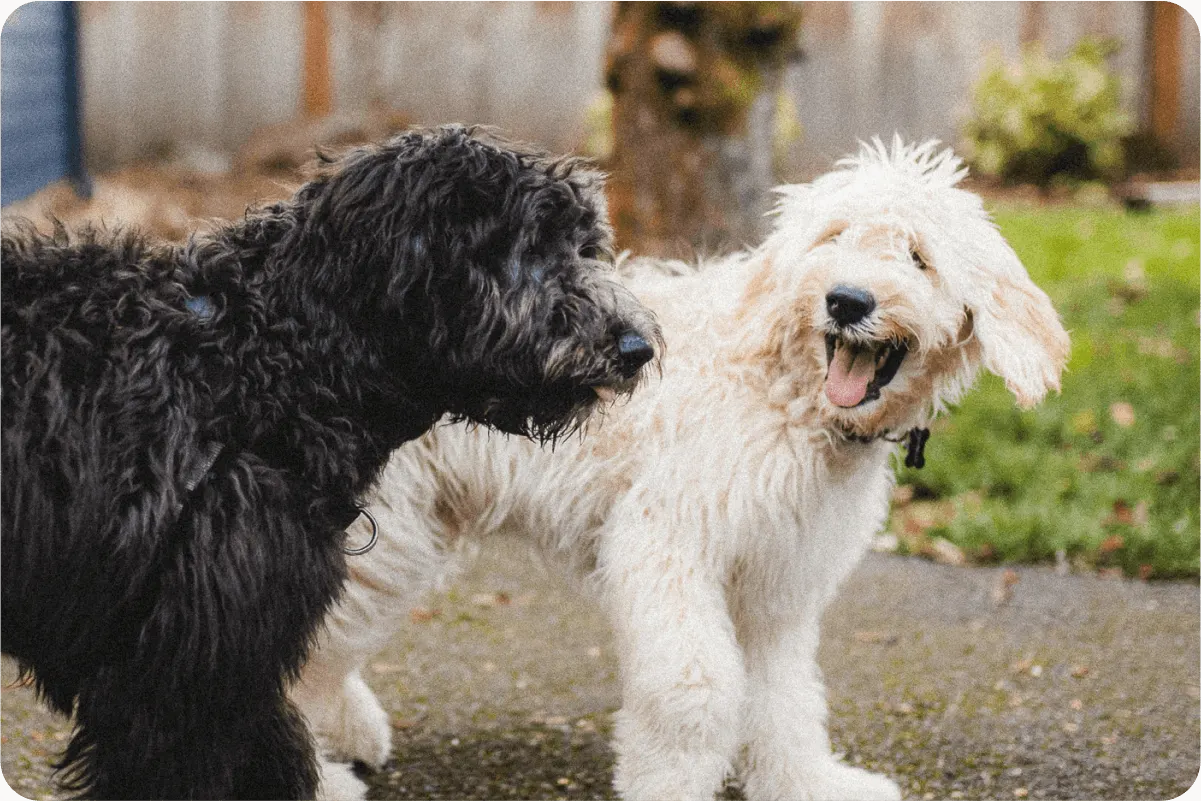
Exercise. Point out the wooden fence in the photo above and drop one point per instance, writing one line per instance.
(205, 75)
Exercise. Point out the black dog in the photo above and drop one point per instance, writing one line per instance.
(186, 431)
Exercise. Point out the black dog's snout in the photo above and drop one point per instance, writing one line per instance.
(635, 351)
(848, 305)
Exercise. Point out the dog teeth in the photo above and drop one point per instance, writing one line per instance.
(606, 394)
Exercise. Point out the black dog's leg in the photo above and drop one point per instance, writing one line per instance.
(280, 761)
(129, 744)
(197, 706)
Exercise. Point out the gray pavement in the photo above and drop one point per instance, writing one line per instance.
(958, 682)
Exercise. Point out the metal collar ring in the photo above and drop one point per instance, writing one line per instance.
(374, 535)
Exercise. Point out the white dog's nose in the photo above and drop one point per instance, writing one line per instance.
(848, 305)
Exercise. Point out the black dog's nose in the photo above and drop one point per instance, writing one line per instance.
(635, 351)
(848, 305)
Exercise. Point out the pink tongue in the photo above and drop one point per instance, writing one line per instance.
(850, 372)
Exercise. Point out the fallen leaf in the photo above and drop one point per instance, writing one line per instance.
(422, 614)
(874, 637)
(1145, 572)
(490, 599)
(403, 724)
(1122, 413)
(1161, 348)
(944, 551)
(1111, 543)
(1002, 591)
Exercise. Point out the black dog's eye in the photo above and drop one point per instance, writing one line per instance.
(590, 252)
(918, 258)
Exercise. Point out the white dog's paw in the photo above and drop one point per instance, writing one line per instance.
(359, 729)
(338, 783)
(838, 782)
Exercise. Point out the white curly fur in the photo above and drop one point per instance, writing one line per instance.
(715, 513)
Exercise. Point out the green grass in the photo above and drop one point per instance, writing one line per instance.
(1076, 474)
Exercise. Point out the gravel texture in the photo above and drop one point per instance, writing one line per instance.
(958, 682)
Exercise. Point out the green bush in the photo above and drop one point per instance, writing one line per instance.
(1043, 119)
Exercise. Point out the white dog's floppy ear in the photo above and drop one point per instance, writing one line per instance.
(1019, 332)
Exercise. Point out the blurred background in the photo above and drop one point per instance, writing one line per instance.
(1080, 123)
(210, 87)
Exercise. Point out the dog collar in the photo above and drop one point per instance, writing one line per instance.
(915, 444)
(350, 514)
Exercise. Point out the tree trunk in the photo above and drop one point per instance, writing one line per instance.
(695, 89)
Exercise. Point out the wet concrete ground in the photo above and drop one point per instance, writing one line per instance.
(955, 681)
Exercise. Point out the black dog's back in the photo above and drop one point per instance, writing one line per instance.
(94, 338)
(93, 425)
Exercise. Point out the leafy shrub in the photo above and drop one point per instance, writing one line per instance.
(1043, 119)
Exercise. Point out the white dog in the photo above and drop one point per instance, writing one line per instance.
(715, 514)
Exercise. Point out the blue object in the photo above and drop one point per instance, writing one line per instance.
(201, 306)
(40, 126)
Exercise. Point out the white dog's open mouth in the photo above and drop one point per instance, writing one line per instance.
(856, 372)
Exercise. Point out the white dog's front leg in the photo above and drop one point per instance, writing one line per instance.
(788, 750)
(682, 672)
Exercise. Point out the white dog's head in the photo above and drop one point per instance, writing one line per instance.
(896, 288)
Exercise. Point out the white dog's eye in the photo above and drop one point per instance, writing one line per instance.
(918, 258)
(830, 235)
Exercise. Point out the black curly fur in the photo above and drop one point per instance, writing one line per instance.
(441, 272)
